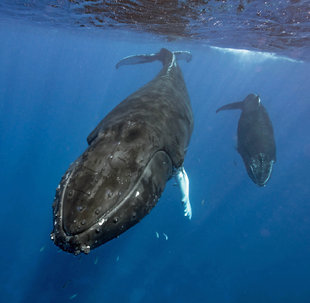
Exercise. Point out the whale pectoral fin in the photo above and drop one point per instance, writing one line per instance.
(235, 105)
(183, 182)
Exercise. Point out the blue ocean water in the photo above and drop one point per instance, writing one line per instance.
(243, 244)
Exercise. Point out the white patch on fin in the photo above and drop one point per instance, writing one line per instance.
(183, 181)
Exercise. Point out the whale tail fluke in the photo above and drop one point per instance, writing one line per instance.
(183, 55)
(137, 59)
(164, 55)
(235, 105)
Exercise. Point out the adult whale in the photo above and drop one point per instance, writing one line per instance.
(256, 143)
(132, 153)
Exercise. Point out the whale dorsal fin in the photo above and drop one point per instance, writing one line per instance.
(93, 135)
(235, 105)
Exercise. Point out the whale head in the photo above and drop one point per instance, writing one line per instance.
(108, 189)
(259, 168)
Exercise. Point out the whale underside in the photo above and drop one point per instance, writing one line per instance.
(132, 153)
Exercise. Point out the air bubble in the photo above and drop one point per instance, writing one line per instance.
(83, 222)
(97, 211)
(115, 220)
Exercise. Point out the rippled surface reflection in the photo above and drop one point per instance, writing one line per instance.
(282, 27)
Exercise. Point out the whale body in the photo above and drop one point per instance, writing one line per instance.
(256, 143)
(132, 153)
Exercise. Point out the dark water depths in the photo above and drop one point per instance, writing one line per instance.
(243, 244)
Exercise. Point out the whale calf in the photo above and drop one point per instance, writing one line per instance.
(132, 153)
(256, 143)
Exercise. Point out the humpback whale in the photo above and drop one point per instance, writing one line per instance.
(256, 143)
(132, 153)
